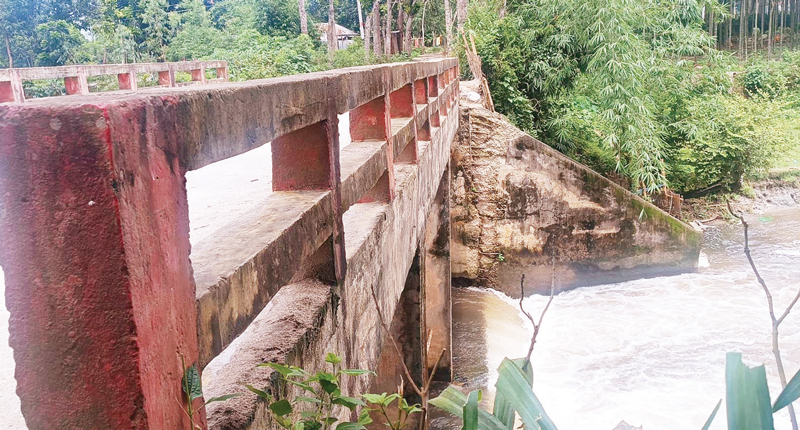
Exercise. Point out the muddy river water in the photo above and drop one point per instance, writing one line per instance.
(650, 351)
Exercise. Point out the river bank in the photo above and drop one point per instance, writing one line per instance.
(780, 190)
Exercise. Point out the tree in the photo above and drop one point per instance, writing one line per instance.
(156, 30)
(60, 43)
(278, 18)
(332, 33)
(461, 14)
(303, 16)
(448, 22)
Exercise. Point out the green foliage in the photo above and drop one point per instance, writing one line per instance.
(278, 17)
(635, 87)
(192, 387)
(747, 399)
(156, 30)
(383, 403)
(514, 397)
(315, 409)
(60, 43)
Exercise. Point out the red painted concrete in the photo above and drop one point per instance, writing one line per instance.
(166, 78)
(368, 121)
(401, 102)
(199, 75)
(424, 132)
(6, 92)
(378, 193)
(127, 81)
(96, 252)
(73, 85)
(300, 160)
(420, 92)
(433, 86)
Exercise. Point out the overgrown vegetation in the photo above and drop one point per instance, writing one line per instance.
(638, 88)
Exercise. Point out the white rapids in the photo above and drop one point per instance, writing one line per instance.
(651, 351)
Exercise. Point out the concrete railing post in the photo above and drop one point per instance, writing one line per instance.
(199, 75)
(167, 77)
(12, 90)
(127, 81)
(222, 73)
(77, 84)
(94, 242)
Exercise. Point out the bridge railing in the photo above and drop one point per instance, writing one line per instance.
(103, 285)
(76, 77)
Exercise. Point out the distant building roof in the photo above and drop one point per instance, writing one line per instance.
(340, 31)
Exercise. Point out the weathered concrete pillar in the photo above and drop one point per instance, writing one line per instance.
(372, 121)
(11, 90)
(421, 91)
(308, 159)
(433, 91)
(406, 328)
(402, 102)
(166, 77)
(199, 75)
(127, 81)
(222, 73)
(77, 84)
(436, 288)
(94, 242)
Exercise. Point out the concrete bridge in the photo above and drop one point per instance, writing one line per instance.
(107, 292)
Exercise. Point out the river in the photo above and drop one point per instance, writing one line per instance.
(650, 351)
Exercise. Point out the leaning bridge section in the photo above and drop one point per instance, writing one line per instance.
(107, 295)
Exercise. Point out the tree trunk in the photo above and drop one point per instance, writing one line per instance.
(332, 34)
(771, 20)
(424, 6)
(367, 36)
(448, 22)
(742, 34)
(461, 14)
(303, 17)
(502, 12)
(376, 28)
(360, 19)
(8, 51)
(407, 35)
(387, 41)
(401, 17)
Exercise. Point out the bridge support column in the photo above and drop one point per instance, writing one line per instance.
(95, 249)
(436, 286)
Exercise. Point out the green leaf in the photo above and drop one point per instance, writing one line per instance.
(377, 399)
(302, 385)
(470, 414)
(333, 358)
(308, 399)
(348, 402)
(281, 407)
(311, 425)
(513, 384)
(710, 419)
(222, 398)
(282, 369)
(356, 372)
(502, 408)
(330, 420)
(192, 384)
(453, 401)
(350, 426)
(259, 393)
(328, 386)
(789, 394)
(747, 395)
(364, 418)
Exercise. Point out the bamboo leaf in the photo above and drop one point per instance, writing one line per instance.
(789, 394)
(470, 412)
(452, 400)
(512, 383)
(710, 419)
(222, 398)
(747, 395)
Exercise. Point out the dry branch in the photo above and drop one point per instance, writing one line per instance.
(776, 322)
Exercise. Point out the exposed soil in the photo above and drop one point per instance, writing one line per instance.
(764, 196)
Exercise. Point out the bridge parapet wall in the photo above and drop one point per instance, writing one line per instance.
(105, 297)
